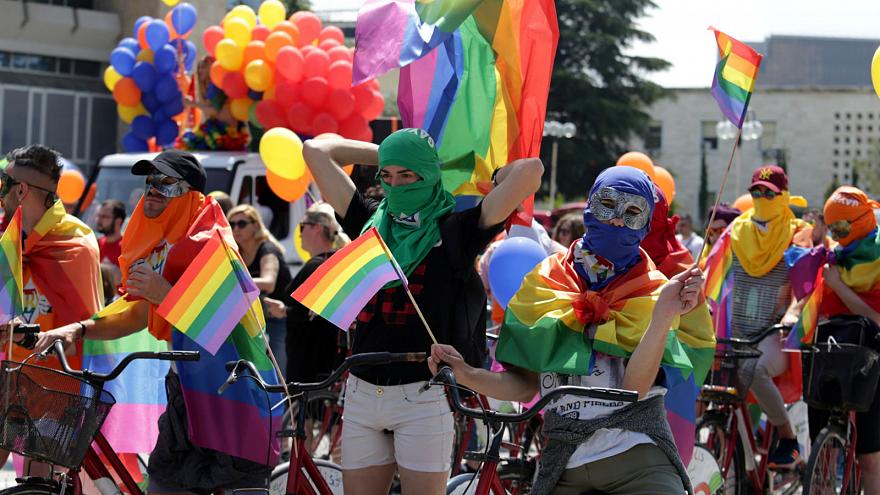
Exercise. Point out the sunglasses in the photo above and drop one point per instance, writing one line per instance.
(240, 224)
(170, 187)
(756, 193)
(841, 228)
(7, 182)
(302, 226)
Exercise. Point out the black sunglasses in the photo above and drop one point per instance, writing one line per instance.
(240, 224)
(302, 226)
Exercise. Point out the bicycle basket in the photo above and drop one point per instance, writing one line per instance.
(840, 377)
(49, 415)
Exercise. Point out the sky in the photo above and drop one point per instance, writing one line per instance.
(679, 27)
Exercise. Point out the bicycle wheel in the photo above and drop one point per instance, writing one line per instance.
(461, 485)
(331, 473)
(32, 489)
(323, 422)
(711, 435)
(825, 468)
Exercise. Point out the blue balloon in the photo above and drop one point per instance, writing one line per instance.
(212, 91)
(166, 133)
(159, 116)
(183, 18)
(173, 107)
(144, 76)
(511, 261)
(157, 34)
(133, 144)
(142, 127)
(130, 43)
(150, 102)
(166, 88)
(255, 95)
(165, 59)
(122, 59)
(189, 59)
(140, 22)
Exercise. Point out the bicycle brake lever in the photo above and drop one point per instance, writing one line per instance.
(229, 381)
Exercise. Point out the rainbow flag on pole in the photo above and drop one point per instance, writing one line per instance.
(343, 284)
(10, 270)
(735, 77)
(211, 297)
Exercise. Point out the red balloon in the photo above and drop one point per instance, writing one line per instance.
(374, 110)
(339, 53)
(327, 45)
(339, 75)
(234, 85)
(290, 63)
(314, 91)
(363, 97)
(270, 114)
(307, 49)
(289, 28)
(286, 93)
(331, 33)
(374, 83)
(353, 126)
(260, 33)
(316, 64)
(300, 116)
(341, 103)
(324, 122)
(309, 26)
(210, 38)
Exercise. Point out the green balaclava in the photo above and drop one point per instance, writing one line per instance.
(408, 217)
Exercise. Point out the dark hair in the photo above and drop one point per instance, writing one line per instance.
(37, 157)
(116, 207)
(816, 213)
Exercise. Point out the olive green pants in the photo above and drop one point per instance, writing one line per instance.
(641, 470)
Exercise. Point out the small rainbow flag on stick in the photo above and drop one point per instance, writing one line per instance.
(804, 332)
(211, 297)
(735, 77)
(10, 270)
(343, 284)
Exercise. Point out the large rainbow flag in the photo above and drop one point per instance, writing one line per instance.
(340, 288)
(735, 75)
(10, 269)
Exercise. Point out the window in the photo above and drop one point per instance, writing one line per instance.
(86, 68)
(279, 223)
(654, 137)
(836, 164)
(246, 194)
(707, 133)
(60, 122)
(15, 133)
(768, 137)
(54, 65)
(836, 140)
(837, 115)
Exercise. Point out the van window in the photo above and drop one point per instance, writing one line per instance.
(279, 225)
(246, 194)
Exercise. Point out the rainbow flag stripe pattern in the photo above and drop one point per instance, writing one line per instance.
(804, 331)
(735, 76)
(346, 282)
(211, 297)
(10, 269)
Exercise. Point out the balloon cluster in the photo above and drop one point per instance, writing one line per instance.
(147, 75)
(291, 73)
(661, 177)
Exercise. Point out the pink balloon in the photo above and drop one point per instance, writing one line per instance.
(234, 85)
(286, 93)
(307, 49)
(314, 91)
(300, 116)
(316, 64)
(289, 62)
(309, 26)
(340, 103)
(211, 37)
(326, 45)
(363, 98)
(324, 122)
(353, 126)
(270, 114)
(331, 33)
(338, 53)
(339, 75)
(374, 110)
(260, 33)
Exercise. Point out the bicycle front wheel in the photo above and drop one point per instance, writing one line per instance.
(331, 473)
(827, 473)
(32, 489)
(713, 436)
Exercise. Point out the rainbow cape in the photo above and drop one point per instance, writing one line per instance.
(735, 76)
(10, 269)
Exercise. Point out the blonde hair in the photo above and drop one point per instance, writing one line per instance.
(323, 214)
(253, 215)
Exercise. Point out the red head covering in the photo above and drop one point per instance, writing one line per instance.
(661, 245)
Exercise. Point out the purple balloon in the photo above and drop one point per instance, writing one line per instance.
(157, 34)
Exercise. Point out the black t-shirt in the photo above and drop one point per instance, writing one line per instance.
(447, 289)
(283, 279)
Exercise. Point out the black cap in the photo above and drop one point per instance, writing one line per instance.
(177, 164)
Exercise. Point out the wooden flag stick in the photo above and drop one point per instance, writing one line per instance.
(718, 196)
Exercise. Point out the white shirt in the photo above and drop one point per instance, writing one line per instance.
(693, 243)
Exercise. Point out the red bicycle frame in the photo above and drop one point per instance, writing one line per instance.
(303, 472)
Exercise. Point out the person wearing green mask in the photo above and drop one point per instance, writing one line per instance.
(389, 425)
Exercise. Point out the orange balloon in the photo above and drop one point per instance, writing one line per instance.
(638, 160)
(288, 189)
(90, 196)
(744, 202)
(275, 42)
(255, 50)
(126, 92)
(287, 27)
(217, 74)
(142, 36)
(665, 182)
(71, 186)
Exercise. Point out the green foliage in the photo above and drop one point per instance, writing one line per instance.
(295, 5)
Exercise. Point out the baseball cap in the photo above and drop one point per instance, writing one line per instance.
(177, 164)
(770, 176)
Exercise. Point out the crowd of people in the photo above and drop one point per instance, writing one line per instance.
(619, 279)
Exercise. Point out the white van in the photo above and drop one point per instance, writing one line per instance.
(241, 175)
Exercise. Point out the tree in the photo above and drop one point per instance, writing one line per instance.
(599, 87)
(295, 5)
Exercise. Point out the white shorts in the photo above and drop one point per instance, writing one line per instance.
(388, 424)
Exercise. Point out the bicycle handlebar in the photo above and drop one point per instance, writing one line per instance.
(58, 348)
(447, 377)
(756, 339)
(365, 359)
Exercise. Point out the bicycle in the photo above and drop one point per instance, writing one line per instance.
(310, 476)
(55, 417)
(725, 429)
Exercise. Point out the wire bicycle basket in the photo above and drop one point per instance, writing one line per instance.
(49, 415)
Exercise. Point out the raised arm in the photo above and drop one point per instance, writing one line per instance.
(324, 158)
(516, 181)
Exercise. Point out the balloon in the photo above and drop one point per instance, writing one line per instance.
(173, 108)
(271, 13)
(665, 182)
(71, 185)
(258, 75)
(354, 127)
(289, 190)
(150, 101)
(363, 97)
(269, 94)
(238, 30)
(875, 71)
(315, 91)
(281, 151)
(512, 260)
(133, 144)
(297, 242)
(130, 43)
(289, 28)
(142, 34)
(328, 45)
(373, 84)
(123, 60)
(128, 113)
(126, 92)
(287, 93)
(211, 37)
(142, 127)
(332, 33)
(255, 95)
(239, 108)
(300, 116)
(145, 55)
(289, 61)
(340, 103)
(339, 74)
(166, 132)
(324, 123)
(744, 202)
(229, 54)
(260, 33)
(165, 59)
(234, 85)
(157, 34)
(242, 12)
(275, 42)
(170, 3)
(638, 160)
(252, 117)
(316, 64)
(190, 56)
(338, 53)
(270, 114)
(217, 74)
(166, 88)
(111, 77)
(184, 18)
(377, 105)
(309, 26)
(255, 50)
(138, 24)
(144, 75)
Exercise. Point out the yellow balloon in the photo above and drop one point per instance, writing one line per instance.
(281, 151)
(145, 55)
(875, 71)
(271, 13)
(298, 244)
(127, 114)
(239, 108)
(237, 30)
(258, 75)
(229, 54)
(111, 77)
(170, 3)
(242, 12)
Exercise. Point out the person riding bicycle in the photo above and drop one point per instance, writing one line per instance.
(600, 315)
(850, 288)
(761, 243)
(388, 423)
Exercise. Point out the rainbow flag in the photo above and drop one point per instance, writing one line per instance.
(735, 76)
(805, 330)
(211, 296)
(11, 296)
(346, 282)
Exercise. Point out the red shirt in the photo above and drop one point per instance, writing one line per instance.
(110, 251)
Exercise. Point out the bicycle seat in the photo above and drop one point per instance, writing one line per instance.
(718, 393)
